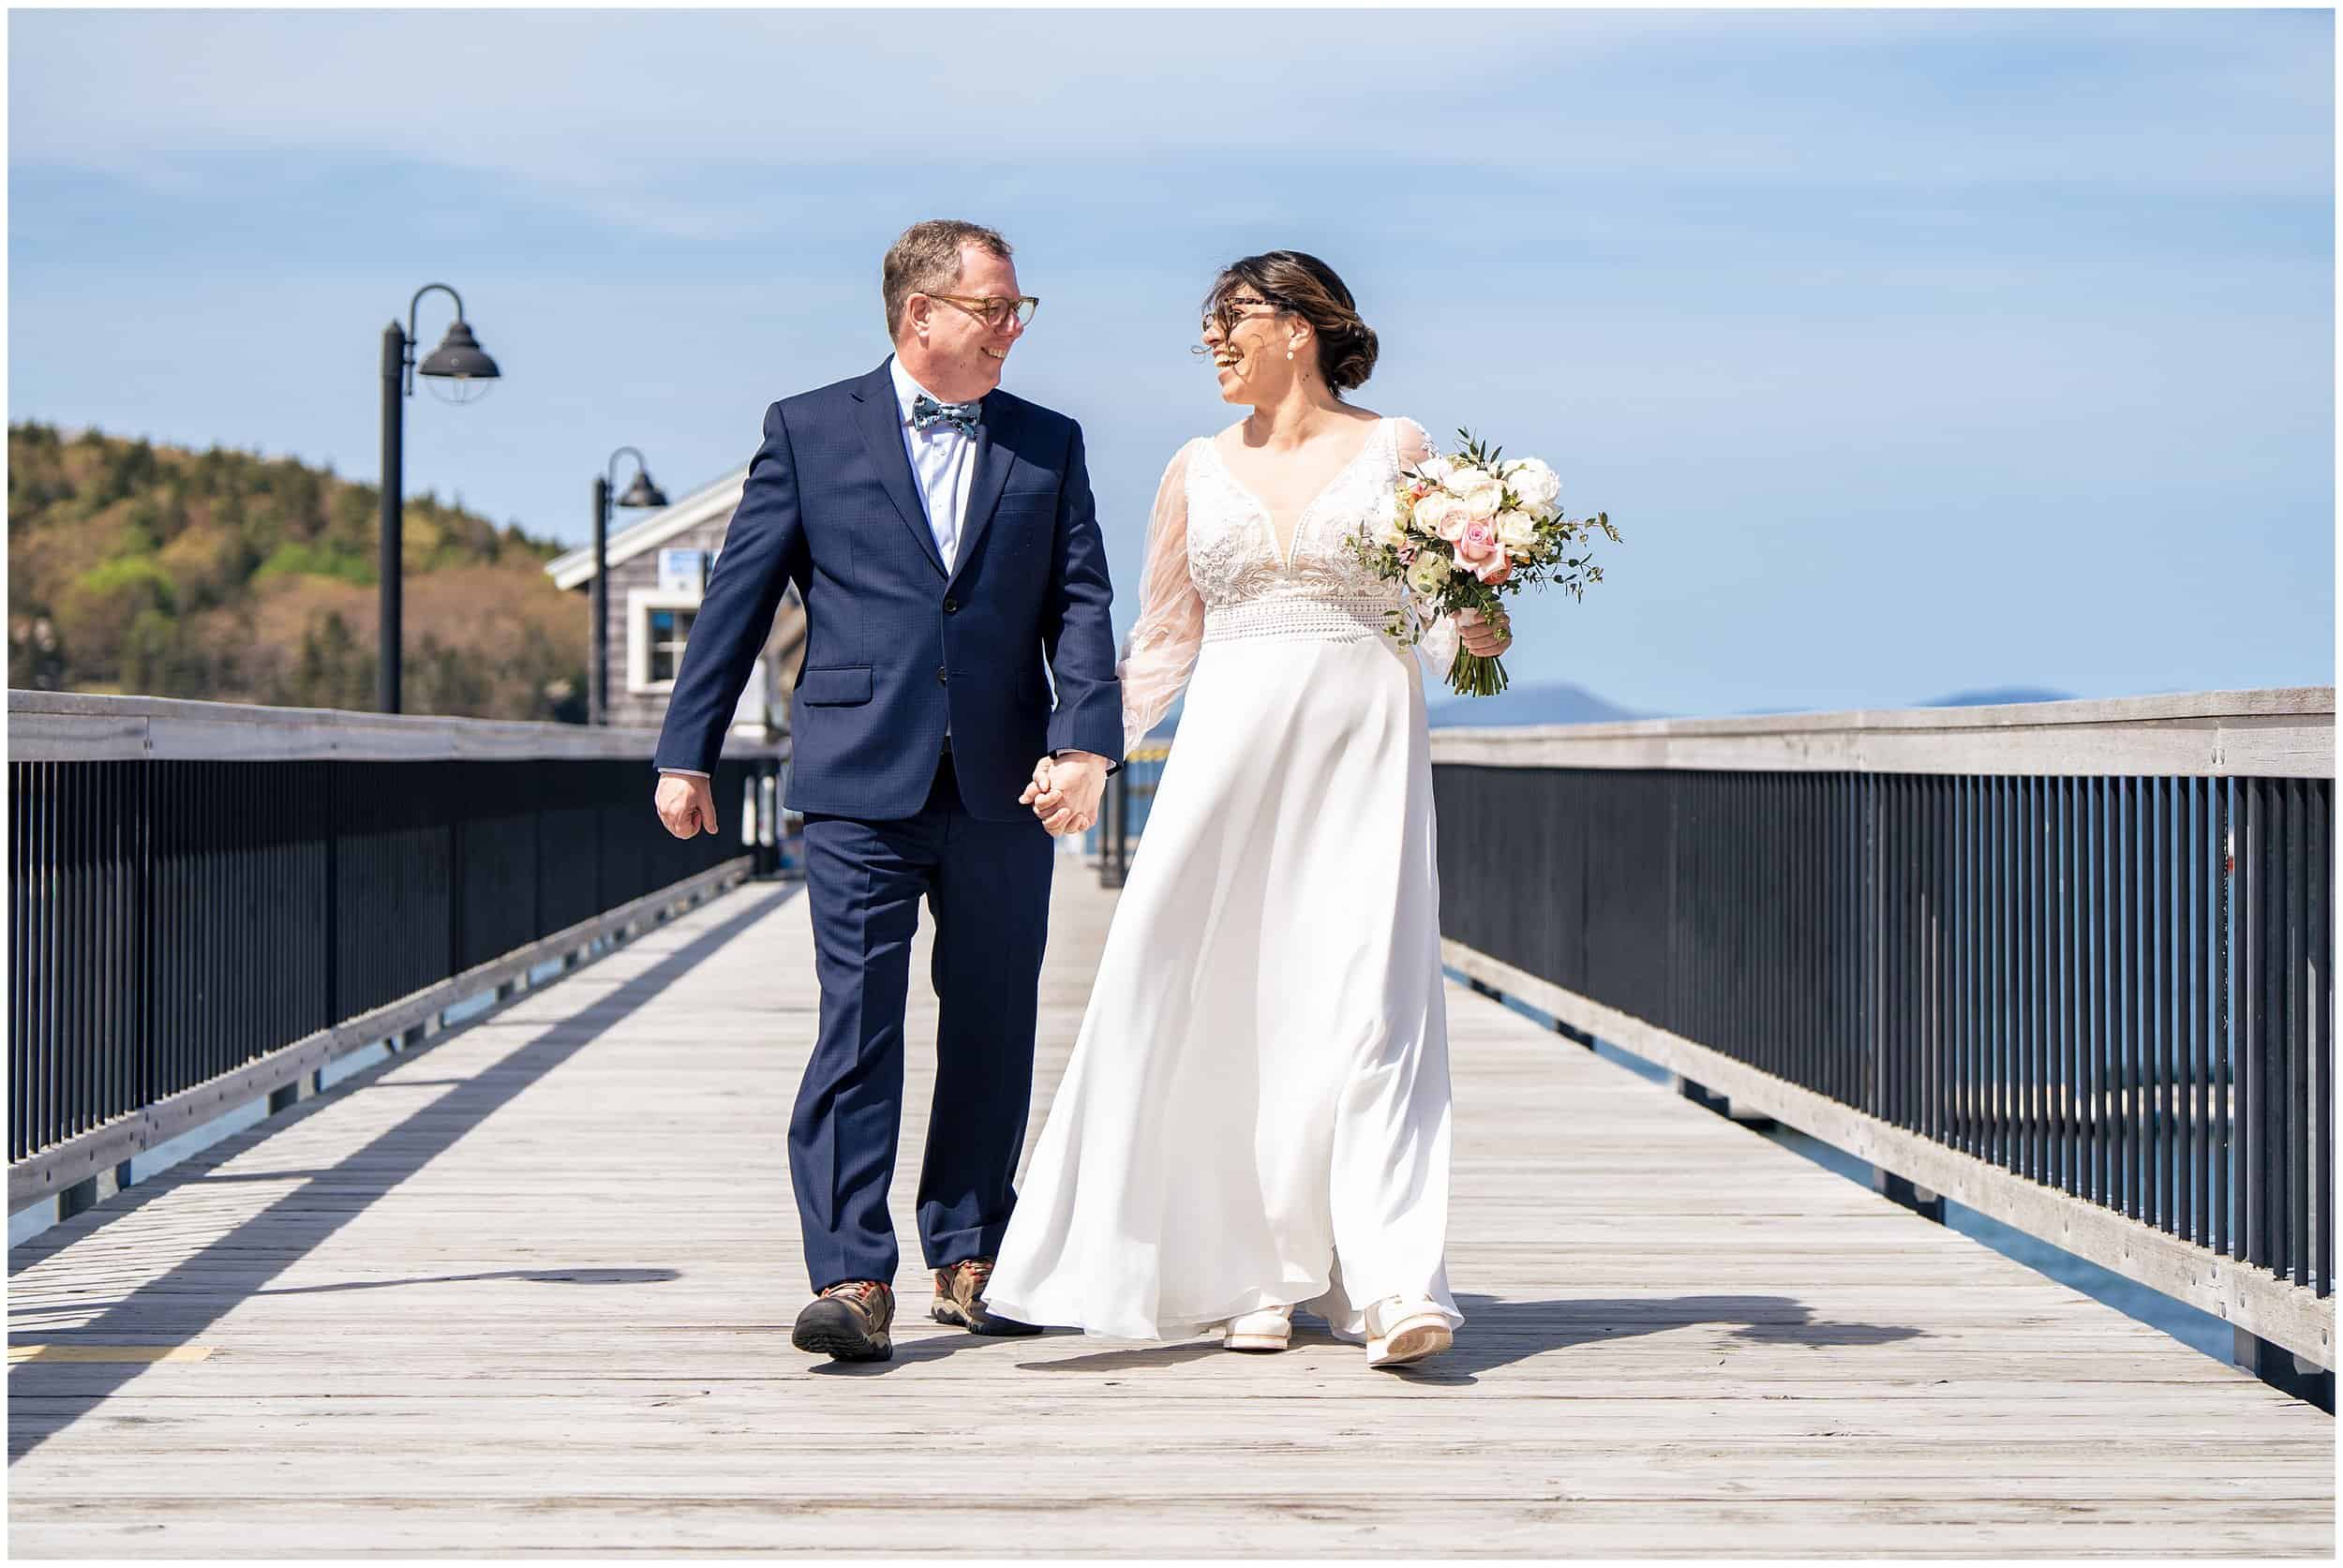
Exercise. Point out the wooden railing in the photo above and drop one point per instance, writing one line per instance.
(2068, 963)
(212, 901)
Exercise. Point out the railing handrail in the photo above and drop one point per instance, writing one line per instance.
(78, 727)
(2272, 732)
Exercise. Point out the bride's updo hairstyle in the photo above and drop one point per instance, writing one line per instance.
(1301, 284)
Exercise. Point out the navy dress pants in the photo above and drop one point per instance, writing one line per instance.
(988, 887)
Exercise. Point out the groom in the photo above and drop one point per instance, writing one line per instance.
(941, 534)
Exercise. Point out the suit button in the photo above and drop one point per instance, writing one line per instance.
(952, 606)
(942, 678)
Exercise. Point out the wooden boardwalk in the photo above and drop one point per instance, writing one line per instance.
(529, 1291)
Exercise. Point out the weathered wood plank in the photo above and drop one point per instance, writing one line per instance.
(528, 1293)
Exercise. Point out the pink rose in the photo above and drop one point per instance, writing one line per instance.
(1478, 553)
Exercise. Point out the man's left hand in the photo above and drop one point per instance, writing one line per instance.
(1066, 789)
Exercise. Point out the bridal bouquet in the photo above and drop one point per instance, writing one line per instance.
(1459, 531)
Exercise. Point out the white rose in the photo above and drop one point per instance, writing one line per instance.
(1533, 482)
(1482, 497)
(1435, 468)
(1517, 532)
(1430, 571)
(1433, 512)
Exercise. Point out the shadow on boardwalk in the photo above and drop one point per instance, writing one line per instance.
(1500, 1333)
(181, 1304)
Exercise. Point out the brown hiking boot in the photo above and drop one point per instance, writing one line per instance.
(848, 1322)
(959, 1299)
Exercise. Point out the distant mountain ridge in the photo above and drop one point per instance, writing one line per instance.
(1993, 696)
(1556, 703)
(1563, 703)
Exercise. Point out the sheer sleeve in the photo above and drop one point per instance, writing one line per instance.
(1439, 641)
(1160, 651)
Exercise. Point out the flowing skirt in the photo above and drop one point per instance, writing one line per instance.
(1257, 1108)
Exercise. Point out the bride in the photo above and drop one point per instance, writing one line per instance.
(1256, 1113)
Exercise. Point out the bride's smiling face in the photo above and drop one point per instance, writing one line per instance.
(1247, 340)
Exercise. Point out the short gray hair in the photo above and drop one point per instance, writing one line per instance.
(925, 260)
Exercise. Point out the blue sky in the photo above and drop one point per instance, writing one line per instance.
(1911, 352)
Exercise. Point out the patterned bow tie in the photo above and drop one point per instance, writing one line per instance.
(926, 410)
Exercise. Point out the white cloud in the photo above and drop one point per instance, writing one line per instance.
(649, 113)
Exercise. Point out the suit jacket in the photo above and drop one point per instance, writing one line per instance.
(896, 645)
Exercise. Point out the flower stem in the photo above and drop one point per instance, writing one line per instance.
(1473, 676)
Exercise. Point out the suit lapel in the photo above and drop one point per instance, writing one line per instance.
(994, 458)
(882, 432)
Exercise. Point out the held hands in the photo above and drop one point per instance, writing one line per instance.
(685, 804)
(1488, 639)
(1064, 791)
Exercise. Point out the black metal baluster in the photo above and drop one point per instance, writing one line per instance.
(2250, 1004)
(2126, 1074)
(2229, 1074)
(1936, 794)
(19, 899)
(2068, 990)
(2160, 861)
(2296, 1039)
(2270, 1090)
(2322, 1044)
(2037, 1075)
(2189, 970)
(1995, 1103)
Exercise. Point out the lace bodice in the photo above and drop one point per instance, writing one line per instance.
(1215, 572)
(1232, 556)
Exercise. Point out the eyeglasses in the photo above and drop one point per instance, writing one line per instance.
(992, 310)
(1237, 307)
(1231, 311)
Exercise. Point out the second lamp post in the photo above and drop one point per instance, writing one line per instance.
(641, 493)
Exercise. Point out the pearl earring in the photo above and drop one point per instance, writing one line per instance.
(1289, 353)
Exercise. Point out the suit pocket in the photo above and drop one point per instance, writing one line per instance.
(838, 686)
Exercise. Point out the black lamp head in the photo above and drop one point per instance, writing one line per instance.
(643, 492)
(460, 370)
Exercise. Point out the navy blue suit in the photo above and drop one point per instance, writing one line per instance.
(897, 647)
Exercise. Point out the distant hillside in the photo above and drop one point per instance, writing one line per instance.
(134, 567)
(1557, 704)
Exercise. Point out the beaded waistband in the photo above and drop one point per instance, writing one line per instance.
(1300, 618)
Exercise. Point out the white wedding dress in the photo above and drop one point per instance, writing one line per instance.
(1257, 1108)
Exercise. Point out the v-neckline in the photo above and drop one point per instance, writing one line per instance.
(1269, 521)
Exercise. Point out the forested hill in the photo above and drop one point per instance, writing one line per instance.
(134, 567)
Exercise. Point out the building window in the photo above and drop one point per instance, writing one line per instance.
(667, 630)
(658, 625)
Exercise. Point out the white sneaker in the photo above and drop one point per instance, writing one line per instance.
(1268, 1329)
(1401, 1329)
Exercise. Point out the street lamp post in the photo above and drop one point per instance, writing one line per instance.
(459, 372)
(639, 494)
